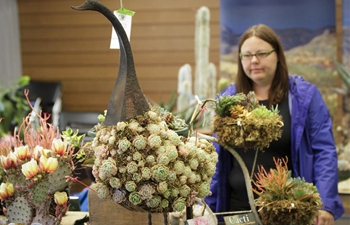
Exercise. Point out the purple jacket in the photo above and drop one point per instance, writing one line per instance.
(313, 152)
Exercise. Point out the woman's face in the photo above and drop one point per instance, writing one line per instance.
(260, 70)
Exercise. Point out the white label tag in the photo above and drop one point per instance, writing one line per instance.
(240, 219)
(125, 20)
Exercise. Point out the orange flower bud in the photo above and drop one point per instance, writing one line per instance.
(30, 169)
(61, 198)
(22, 152)
(6, 162)
(48, 165)
(59, 146)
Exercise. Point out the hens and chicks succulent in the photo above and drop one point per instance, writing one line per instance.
(144, 165)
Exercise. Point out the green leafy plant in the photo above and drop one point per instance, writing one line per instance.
(344, 74)
(13, 104)
(225, 102)
(344, 146)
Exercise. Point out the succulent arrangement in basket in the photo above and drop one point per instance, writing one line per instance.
(284, 199)
(34, 170)
(140, 162)
(144, 165)
(242, 122)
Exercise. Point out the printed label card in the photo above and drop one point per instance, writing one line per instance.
(125, 20)
(240, 219)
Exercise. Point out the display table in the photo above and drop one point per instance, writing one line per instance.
(68, 219)
(111, 213)
(72, 216)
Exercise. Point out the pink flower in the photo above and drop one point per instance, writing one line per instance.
(30, 169)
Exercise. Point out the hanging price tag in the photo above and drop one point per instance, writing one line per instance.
(124, 16)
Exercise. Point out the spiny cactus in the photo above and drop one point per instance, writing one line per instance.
(35, 172)
(19, 210)
(204, 82)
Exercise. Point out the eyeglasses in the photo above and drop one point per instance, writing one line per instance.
(259, 55)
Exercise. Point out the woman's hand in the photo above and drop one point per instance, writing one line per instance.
(324, 218)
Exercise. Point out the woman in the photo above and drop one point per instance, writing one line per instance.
(307, 138)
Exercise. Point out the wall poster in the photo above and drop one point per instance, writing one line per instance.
(307, 31)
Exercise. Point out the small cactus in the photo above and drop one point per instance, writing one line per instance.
(34, 172)
(19, 210)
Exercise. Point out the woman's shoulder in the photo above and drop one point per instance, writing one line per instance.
(298, 82)
(303, 90)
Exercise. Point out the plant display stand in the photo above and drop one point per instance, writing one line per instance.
(108, 212)
(247, 180)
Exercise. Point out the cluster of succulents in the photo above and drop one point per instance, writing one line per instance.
(241, 121)
(284, 199)
(144, 165)
(35, 164)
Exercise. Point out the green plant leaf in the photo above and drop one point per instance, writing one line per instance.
(344, 74)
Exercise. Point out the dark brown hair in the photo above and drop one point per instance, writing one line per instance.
(279, 86)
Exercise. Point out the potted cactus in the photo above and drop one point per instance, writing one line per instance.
(34, 172)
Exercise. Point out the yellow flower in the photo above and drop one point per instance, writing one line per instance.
(6, 190)
(46, 152)
(37, 151)
(59, 146)
(16, 161)
(48, 165)
(61, 198)
(30, 169)
(6, 162)
(22, 152)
